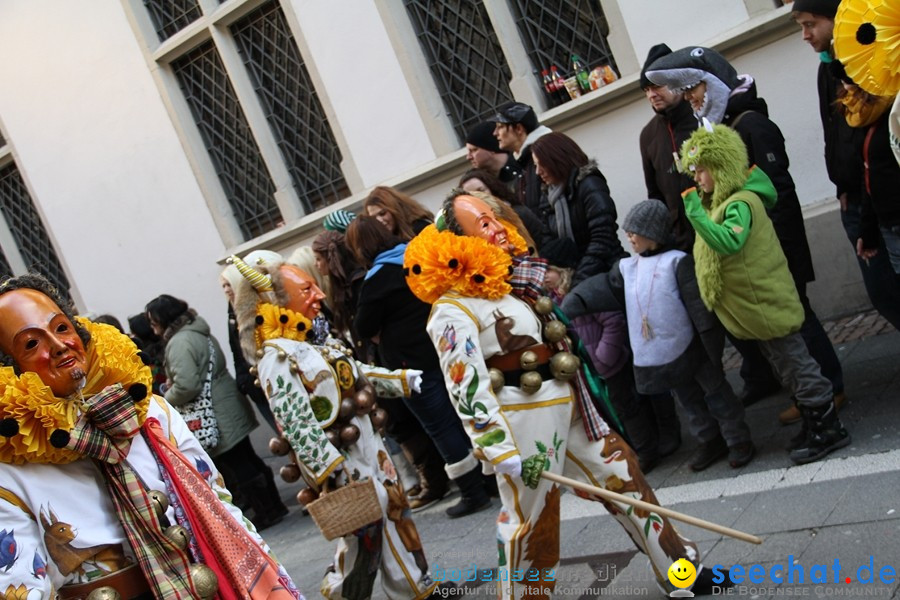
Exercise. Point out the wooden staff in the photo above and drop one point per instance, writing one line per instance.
(666, 512)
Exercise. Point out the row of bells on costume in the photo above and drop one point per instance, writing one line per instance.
(563, 365)
(205, 581)
(341, 434)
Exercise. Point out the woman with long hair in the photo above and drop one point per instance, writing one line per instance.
(389, 310)
(579, 204)
(187, 361)
(399, 213)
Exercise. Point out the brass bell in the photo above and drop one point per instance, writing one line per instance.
(528, 360)
(279, 446)
(543, 305)
(160, 502)
(178, 535)
(282, 355)
(205, 581)
(497, 379)
(104, 593)
(294, 368)
(564, 365)
(530, 382)
(253, 371)
(260, 353)
(554, 331)
(289, 473)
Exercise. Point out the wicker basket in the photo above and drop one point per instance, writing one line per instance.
(346, 509)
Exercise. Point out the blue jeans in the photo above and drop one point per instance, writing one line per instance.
(891, 236)
(878, 275)
(433, 409)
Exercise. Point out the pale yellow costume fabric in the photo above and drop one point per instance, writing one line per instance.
(392, 545)
(466, 332)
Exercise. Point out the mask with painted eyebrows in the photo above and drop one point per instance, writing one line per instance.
(477, 219)
(304, 296)
(40, 338)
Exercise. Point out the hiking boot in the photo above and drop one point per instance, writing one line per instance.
(740, 454)
(708, 453)
(414, 491)
(792, 414)
(799, 438)
(825, 434)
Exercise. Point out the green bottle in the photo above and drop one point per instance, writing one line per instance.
(581, 74)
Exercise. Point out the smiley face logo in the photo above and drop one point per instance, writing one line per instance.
(682, 573)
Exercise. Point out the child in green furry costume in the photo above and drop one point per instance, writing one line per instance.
(743, 277)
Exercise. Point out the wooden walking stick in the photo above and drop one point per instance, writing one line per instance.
(666, 512)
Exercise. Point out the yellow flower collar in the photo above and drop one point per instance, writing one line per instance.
(437, 262)
(277, 322)
(111, 358)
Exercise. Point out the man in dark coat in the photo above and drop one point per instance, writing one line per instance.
(843, 155)
(517, 127)
(660, 144)
(718, 94)
(483, 152)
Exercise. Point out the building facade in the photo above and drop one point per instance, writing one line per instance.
(142, 141)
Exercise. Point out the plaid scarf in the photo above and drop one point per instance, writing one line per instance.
(527, 283)
(243, 568)
(104, 433)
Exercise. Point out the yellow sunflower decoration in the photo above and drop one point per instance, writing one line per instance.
(437, 262)
(277, 322)
(867, 42)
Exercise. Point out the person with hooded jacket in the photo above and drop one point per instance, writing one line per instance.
(744, 278)
(719, 95)
(581, 208)
(187, 358)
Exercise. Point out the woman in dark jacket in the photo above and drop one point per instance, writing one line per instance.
(388, 309)
(581, 208)
(187, 359)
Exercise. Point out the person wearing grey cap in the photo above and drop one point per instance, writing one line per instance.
(517, 127)
(483, 152)
(676, 342)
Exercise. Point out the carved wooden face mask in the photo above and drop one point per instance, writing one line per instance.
(304, 296)
(41, 339)
(477, 219)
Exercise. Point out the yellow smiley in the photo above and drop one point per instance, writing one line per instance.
(682, 573)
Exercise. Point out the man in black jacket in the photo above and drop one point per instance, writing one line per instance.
(516, 128)
(660, 143)
(483, 152)
(843, 155)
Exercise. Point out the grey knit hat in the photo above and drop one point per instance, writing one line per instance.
(650, 219)
(338, 221)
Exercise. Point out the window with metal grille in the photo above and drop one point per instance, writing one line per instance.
(28, 230)
(5, 269)
(464, 57)
(291, 105)
(228, 139)
(553, 30)
(170, 16)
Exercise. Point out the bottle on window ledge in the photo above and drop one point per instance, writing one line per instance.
(581, 74)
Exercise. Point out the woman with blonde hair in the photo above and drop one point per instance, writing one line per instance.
(403, 216)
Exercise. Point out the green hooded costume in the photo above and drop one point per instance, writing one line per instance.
(741, 269)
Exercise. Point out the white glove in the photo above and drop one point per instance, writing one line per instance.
(511, 466)
(413, 379)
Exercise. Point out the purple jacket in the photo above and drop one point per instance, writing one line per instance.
(605, 336)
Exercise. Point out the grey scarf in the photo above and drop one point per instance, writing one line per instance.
(561, 210)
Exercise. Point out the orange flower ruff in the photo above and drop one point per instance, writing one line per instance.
(111, 358)
(520, 247)
(439, 262)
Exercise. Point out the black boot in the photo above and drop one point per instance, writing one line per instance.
(474, 495)
(268, 508)
(825, 434)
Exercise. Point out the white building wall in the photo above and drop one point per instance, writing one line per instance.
(365, 86)
(102, 161)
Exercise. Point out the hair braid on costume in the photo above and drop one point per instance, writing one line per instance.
(37, 282)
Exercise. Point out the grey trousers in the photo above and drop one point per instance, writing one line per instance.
(797, 370)
(712, 408)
